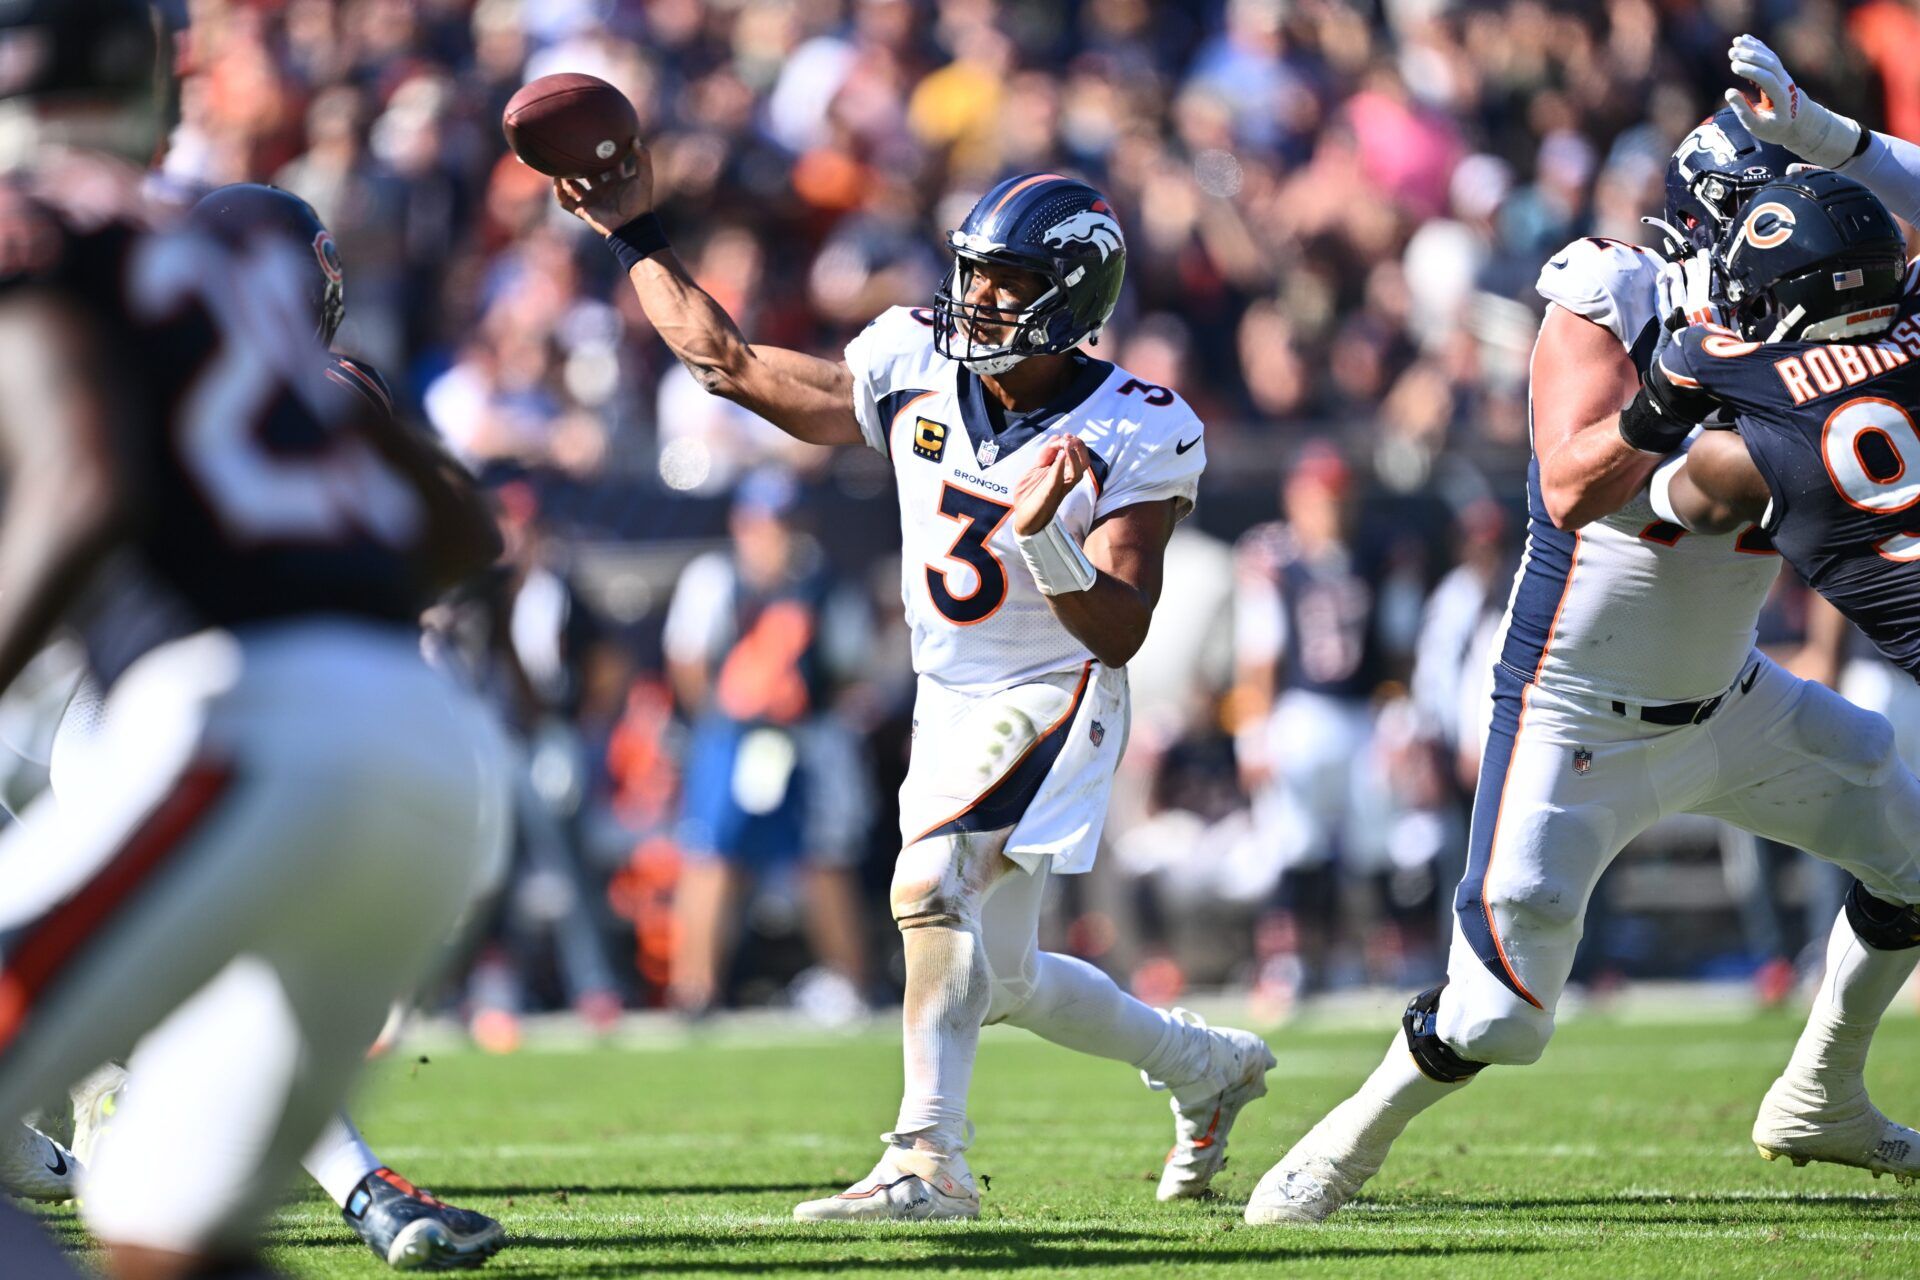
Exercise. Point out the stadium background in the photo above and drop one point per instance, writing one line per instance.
(1335, 214)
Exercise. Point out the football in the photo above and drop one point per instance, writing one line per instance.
(570, 125)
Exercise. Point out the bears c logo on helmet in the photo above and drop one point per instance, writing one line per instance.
(329, 255)
(1767, 225)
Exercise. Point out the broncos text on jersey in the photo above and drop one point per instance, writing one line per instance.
(978, 621)
(1831, 427)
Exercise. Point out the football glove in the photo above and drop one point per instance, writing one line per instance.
(1786, 115)
(1685, 290)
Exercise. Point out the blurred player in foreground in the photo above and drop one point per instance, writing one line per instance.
(405, 1227)
(1628, 687)
(1038, 488)
(244, 551)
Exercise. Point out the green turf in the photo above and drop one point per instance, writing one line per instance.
(1623, 1153)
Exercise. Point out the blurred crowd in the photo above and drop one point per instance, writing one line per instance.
(1335, 212)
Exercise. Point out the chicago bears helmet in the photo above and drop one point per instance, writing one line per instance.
(1814, 257)
(238, 213)
(1714, 171)
(1060, 229)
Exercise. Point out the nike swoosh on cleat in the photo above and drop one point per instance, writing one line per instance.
(59, 1169)
(1182, 448)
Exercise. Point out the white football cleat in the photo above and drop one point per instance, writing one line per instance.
(906, 1186)
(35, 1167)
(1800, 1125)
(1239, 1064)
(1323, 1171)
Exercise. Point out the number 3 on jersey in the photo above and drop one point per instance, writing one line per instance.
(979, 517)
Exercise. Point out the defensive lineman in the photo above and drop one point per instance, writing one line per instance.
(1037, 487)
(273, 865)
(405, 1227)
(1627, 688)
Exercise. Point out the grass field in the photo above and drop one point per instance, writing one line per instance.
(1624, 1153)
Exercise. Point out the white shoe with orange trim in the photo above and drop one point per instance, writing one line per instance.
(1238, 1070)
(906, 1186)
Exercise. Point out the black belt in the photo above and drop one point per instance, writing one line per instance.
(1673, 713)
(1676, 713)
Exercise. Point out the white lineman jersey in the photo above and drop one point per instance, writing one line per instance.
(978, 621)
(1629, 608)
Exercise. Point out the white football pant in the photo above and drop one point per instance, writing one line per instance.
(297, 817)
(1565, 784)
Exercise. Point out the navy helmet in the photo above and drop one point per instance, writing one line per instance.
(1814, 257)
(238, 213)
(1061, 230)
(1713, 173)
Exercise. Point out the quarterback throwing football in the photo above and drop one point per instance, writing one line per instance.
(1038, 488)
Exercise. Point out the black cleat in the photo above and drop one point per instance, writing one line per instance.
(409, 1230)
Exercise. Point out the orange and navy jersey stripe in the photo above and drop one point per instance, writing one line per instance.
(362, 379)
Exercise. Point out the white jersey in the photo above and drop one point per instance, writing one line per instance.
(979, 623)
(1629, 608)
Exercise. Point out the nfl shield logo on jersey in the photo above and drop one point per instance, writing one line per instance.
(988, 452)
(1582, 760)
(1098, 733)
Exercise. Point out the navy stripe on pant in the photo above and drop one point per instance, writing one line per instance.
(1476, 924)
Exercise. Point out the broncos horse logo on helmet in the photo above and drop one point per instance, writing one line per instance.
(1713, 173)
(1055, 227)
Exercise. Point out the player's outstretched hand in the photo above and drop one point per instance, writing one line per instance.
(1037, 497)
(1785, 114)
(610, 201)
(1685, 290)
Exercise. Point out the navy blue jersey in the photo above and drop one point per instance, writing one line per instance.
(1831, 427)
(1329, 605)
(262, 500)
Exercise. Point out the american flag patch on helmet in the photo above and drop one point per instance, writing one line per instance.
(1851, 279)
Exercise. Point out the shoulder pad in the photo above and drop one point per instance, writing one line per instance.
(1609, 282)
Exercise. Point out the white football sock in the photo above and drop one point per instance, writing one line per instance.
(1075, 1005)
(1368, 1122)
(948, 990)
(1860, 982)
(340, 1159)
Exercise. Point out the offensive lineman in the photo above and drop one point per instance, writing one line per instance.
(273, 864)
(1038, 488)
(404, 1227)
(1627, 688)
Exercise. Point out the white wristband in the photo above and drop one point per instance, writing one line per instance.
(1660, 489)
(1058, 564)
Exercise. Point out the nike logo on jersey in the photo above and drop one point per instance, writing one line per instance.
(58, 1168)
(1751, 677)
(1182, 448)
